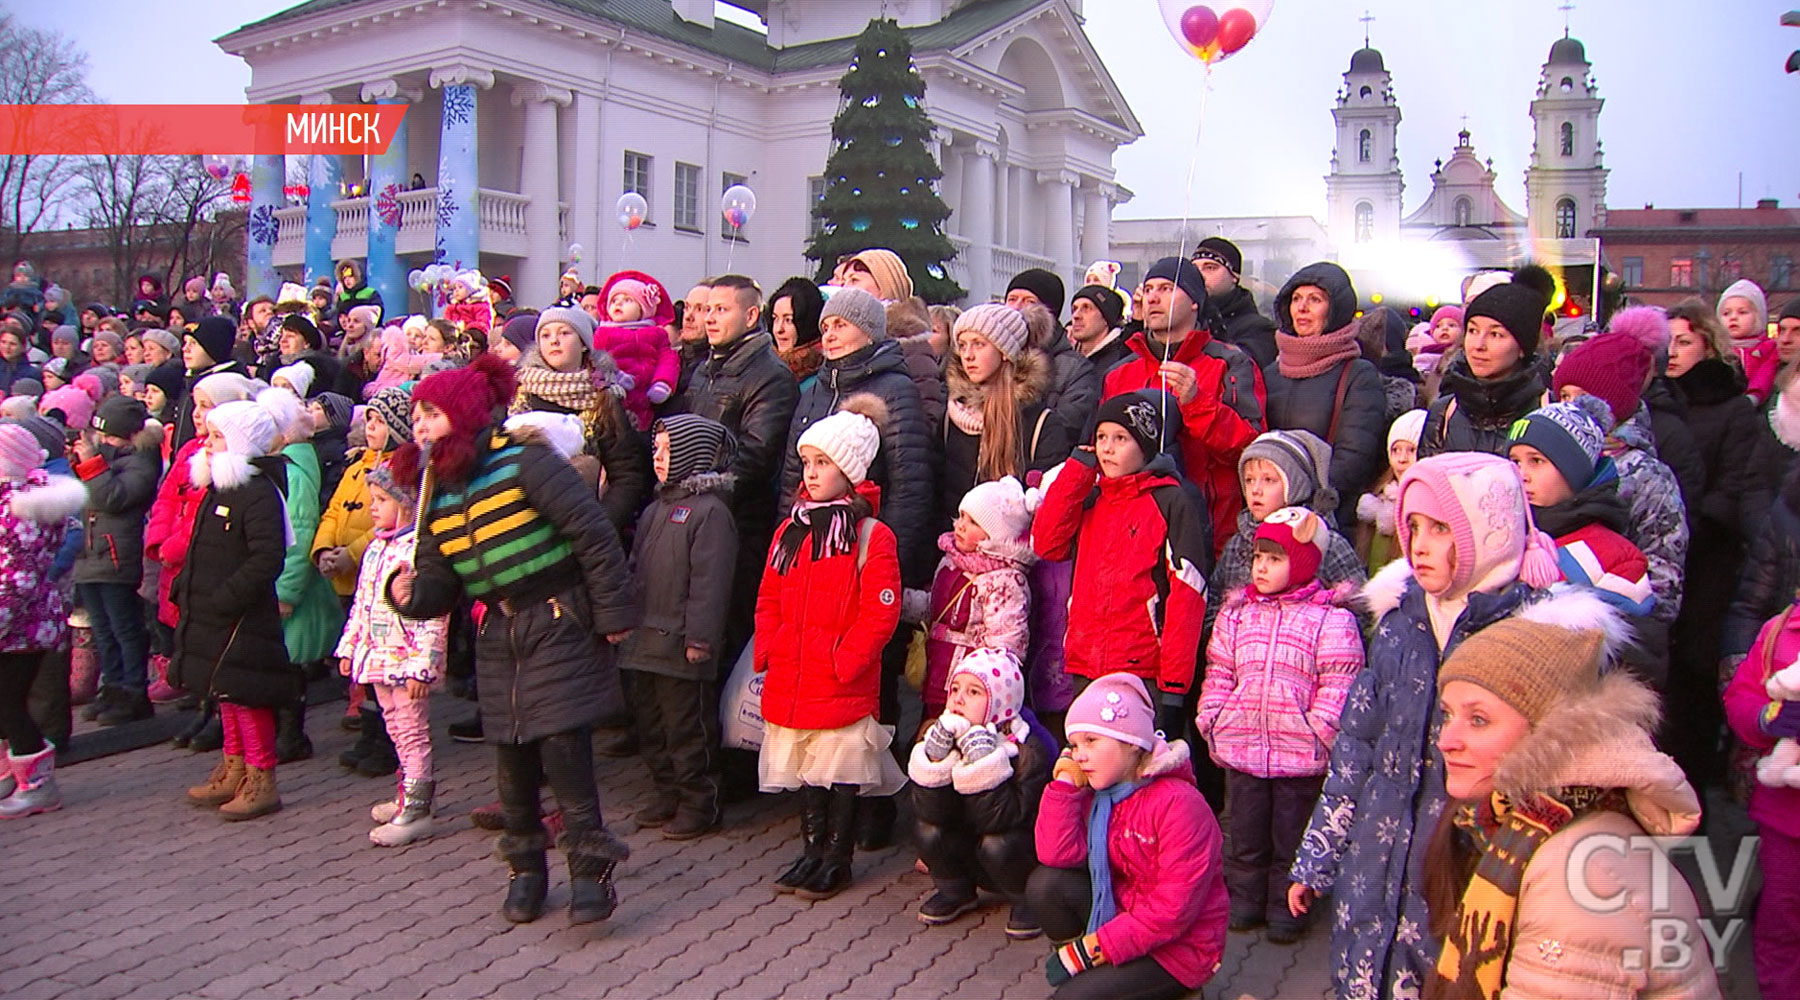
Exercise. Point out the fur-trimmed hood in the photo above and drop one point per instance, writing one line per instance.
(1032, 371)
(57, 498)
(992, 554)
(1784, 419)
(721, 483)
(1168, 759)
(1383, 591)
(1601, 738)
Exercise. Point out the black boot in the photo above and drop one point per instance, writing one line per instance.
(593, 855)
(833, 874)
(211, 735)
(369, 730)
(381, 760)
(192, 729)
(529, 878)
(291, 743)
(815, 804)
(875, 824)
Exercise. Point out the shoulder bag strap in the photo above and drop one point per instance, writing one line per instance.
(1337, 405)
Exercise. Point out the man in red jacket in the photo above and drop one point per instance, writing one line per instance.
(1219, 388)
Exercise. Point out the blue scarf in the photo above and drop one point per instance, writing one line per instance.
(1104, 907)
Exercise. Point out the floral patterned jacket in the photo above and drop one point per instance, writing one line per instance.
(35, 514)
(382, 646)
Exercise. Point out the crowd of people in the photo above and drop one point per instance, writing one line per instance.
(1219, 620)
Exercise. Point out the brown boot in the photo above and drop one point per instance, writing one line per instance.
(255, 797)
(222, 785)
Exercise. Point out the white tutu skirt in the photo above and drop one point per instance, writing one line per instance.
(857, 755)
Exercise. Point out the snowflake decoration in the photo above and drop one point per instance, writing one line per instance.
(1407, 932)
(1341, 915)
(459, 104)
(387, 206)
(263, 228)
(1387, 829)
(446, 207)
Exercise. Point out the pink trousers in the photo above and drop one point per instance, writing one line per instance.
(409, 726)
(249, 732)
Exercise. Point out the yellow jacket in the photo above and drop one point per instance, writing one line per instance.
(346, 521)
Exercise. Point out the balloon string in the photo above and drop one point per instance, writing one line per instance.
(1187, 204)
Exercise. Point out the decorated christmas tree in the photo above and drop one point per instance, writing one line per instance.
(880, 174)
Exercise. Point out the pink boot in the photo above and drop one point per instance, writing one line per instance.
(161, 691)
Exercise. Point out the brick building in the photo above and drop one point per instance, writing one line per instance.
(82, 260)
(1664, 255)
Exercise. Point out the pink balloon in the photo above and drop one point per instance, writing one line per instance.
(1199, 25)
(1236, 29)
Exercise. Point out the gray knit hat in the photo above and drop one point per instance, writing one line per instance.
(576, 318)
(1305, 464)
(859, 309)
(136, 373)
(382, 478)
(1003, 326)
(696, 445)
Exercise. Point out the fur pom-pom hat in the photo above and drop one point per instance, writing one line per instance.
(470, 397)
(850, 437)
(1648, 325)
(1613, 366)
(1482, 499)
(1518, 305)
(1002, 508)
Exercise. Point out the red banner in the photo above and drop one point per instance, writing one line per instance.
(195, 129)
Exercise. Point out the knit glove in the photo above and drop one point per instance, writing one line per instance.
(1781, 719)
(1171, 715)
(627, 381)
(915, 605)
(977, 743)
(938, 742)
(1068, 772)
(659, 393)
(1072, 959)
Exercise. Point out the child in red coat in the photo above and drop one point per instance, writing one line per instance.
(1131, 882)
(829, 602)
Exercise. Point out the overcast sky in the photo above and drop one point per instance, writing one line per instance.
(1695, 91)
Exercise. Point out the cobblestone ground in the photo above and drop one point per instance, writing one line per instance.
(129, 892)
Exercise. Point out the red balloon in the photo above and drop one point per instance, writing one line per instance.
(1199, 25)
(1236, 29)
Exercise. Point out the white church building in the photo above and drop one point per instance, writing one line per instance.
(579, 101)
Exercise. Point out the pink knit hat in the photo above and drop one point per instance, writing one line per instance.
(1447, 312)
(76, 406)
(19, 452)
(1115, 706)
(1482, 499)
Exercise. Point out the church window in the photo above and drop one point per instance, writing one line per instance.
(1465, 212)
(1681, 272)
(1631, 271)
(1364, 145)
(1568, 138)
(1366, 93)
(1565, 219)
(1365, 222)
(1568, 84)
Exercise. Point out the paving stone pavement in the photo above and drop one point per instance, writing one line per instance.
(130, 892)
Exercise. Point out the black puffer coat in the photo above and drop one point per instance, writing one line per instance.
(978, 823)
(962, 450)
(1676, 446)
(1475, 414)
(682, 560)
(748, 388)
(1771, 574)
(1075, 383)
(541, 656)
(1725, 428)
(1242, 326)
(904, 467)
(121, 485)
(229, 643)
(1359, 446)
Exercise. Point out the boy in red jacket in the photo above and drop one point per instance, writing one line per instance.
(1138, 596)
(829, 602)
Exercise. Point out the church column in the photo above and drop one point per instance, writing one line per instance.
(459, 165)
(388, 176)
(324, 173)
(1058, 188)
(1096, 228)
(978, 195)
(538, 181)
(268, 174)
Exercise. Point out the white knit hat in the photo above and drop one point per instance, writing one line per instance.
(850, 440)
(299, 375)
(249, 430)
(999, 507)
(1407, 426)
(1004, 327)
(291, 420)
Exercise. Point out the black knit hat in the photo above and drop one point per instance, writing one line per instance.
(696, 445)
(1518, 307)
(1185, 276)
(1048, 288)
(1221, 251)
(1110, 303)
(169, 378)
(339, 409)
(120, 416)
(215, 335)
(1791, 310)
(1141, 414)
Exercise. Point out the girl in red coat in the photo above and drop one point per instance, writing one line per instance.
(1131, 886)
(829, 602)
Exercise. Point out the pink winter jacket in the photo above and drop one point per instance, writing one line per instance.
(642, 351)
(170, 526)
(398, 362)
(1167, 864)
(1745, 698)
(1761, 363)
(1277, 672)
(34, 515)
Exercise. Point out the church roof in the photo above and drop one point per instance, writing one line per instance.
(1367, 60)
(1568, 52)
(735, 42)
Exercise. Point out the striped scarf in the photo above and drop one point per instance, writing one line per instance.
(830, 525)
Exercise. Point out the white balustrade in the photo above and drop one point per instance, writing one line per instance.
(1008, 263)
(290, 236)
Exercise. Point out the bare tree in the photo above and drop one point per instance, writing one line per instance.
(42, 67)
(120, 196)
(192, 198)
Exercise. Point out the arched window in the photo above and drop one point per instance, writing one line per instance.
(1465, 212)
(1364, 144)
(1366, 93)
(1568, 138)
(1565, 219)
(1365, 222)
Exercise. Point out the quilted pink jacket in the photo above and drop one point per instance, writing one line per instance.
(1277, 672)
(642, 351)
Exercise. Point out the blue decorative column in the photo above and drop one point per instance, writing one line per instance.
(267, 175)
(459, 171)
(388, 176)
(322, 180)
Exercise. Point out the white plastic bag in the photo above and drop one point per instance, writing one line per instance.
(740, 706)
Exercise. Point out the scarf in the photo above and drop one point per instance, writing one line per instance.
(575, 391)
(831, 525)
(1507, 834)
(803, 360)
(968, 419)
(1305, 357)
(1104, 907)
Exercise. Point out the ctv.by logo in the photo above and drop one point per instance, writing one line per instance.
(1670, 943)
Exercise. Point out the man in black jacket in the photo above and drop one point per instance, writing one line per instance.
(1237, 321)
(1094, 317)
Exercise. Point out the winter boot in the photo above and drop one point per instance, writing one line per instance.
(36, 791)
(1021, 923)
(660, 811)
(413, 822)
(291, 743)
(952, 899)
(875, 824)
(815, 805)
(529, 880)
(126, 706)
(369, 730)
(257, 796)
(204, 712)
(161, 691)
(8, 783)
(381, 760)
(222, 786)
(211, 736)
(467, 731)
(593, 856)
(98, 702)
(833, 874)
(387, 809)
